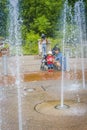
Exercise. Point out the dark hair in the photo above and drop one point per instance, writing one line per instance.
(57, 49)
(43, 36)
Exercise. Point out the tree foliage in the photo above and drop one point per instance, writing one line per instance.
(31, 46)
(3, 17)
(38, 16)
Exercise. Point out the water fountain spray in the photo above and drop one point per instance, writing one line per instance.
(75, 38)
(62, 105)
(80, 22)
(15, 43)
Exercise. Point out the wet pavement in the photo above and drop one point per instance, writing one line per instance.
(30, 104)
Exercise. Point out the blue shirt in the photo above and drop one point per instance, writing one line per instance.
(58, 57)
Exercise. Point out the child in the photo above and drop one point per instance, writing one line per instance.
(50, 61)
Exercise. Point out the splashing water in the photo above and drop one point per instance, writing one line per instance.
(62, 80)
(80, 22)
(73, 30)
(15, 44)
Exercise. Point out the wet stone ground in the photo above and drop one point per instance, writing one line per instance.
(37, 97)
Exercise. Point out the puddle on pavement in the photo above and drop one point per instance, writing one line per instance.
(53, 75)
(39, 76)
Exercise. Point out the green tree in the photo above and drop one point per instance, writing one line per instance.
(41, 25)
(3, 17)
(40, 15)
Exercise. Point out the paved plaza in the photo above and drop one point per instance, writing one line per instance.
(32, 105)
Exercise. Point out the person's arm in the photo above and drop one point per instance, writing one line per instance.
(57, 58)
(46, 41)
(53, 59)
(41, 41)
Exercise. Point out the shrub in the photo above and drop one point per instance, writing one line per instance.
(31, 44)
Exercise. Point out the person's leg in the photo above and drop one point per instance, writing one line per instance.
(57, 65)
(45, 49)
(49, 67)
(42, 50)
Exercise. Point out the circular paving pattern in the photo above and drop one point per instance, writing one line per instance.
(74, 108)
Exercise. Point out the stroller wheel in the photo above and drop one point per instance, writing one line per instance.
(43, 67)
